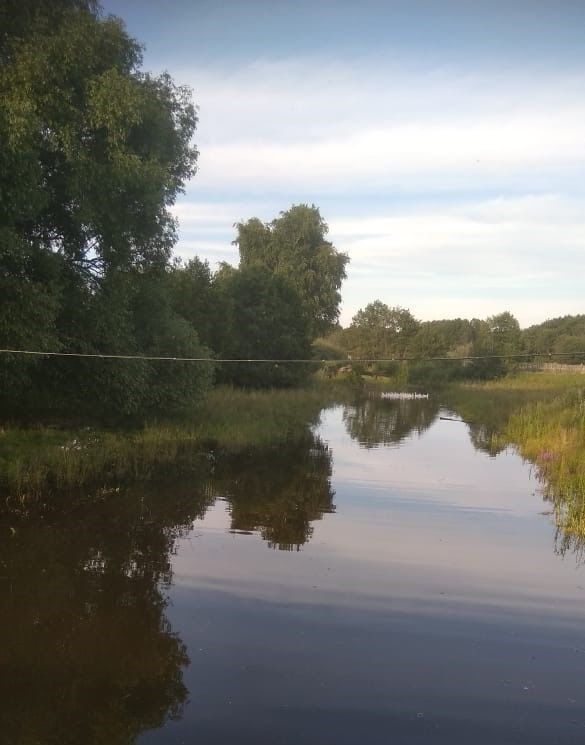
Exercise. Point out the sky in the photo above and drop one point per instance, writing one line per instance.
(442, 140)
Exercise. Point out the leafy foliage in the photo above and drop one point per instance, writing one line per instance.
(558, 335)
(383, 331)
(193, 296)
(94, 152)
(379, 331)
(294, 247)
(262, 318)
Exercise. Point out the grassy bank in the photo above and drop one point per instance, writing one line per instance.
(493, 402)
(37, 463)
(551, 434)
(543, 416)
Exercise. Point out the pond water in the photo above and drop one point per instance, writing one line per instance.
(386, 579)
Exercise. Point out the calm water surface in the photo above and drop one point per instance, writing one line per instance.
(384, 580)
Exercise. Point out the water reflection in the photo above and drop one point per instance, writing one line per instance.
(486, 439)
(379, 421)
(278, 491)
(374, 422)
(87, 654)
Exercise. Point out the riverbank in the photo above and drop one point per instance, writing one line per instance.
(36, 463)
(551, 434)
(543, 416)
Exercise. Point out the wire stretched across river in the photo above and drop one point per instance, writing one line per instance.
(346, 360)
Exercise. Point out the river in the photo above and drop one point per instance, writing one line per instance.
(388, 578)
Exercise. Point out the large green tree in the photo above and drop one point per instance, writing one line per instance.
(193, 297)
(261, 319)
(495, 341)
(381, 331)
(294, 247)
(94, 152)
(565, 335)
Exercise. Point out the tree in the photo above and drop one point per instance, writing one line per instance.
(572, 348)
(493, 340)
(262, 319)
(294, 247)
(381, 331)
(429, 341)
(94, 151)
(565, 335)
(505, 333)
(193, 297)
(171, 386)
(30, 290)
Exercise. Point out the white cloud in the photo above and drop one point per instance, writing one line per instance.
(426, 147)
(307, 98)
(486, 154)
(460, 258)
(311, 124)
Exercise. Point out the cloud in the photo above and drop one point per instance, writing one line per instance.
(492, 154)
(312, 97)
(473, 257)
(321, 125)
(454, 191)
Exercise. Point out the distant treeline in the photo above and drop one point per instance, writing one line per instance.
(379, 331)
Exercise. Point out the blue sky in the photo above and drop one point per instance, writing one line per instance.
(443, 140)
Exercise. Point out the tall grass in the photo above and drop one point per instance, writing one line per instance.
(37, 463)
(234, 418)
(551, 434)
(493, 402)
(543, 416)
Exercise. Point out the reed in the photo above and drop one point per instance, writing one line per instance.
(543, 416)
(551, 434)
(38, 463)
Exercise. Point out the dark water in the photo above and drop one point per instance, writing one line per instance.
(383, 580)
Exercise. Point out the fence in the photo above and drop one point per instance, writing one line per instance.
(552, 367)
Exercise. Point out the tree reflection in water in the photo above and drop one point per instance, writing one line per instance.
(278, 491)
(87, 654)
(374, 422)
(486, 438)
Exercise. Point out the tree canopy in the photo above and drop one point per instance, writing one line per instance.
(564, 335)
(294, 246)
(94, 151)
(261, 318)
(381, 331)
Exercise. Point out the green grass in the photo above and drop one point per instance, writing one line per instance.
(492, 403)
(543, 416)
(234, 418)
(540, 382)
(551, 434)
(37, 463)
